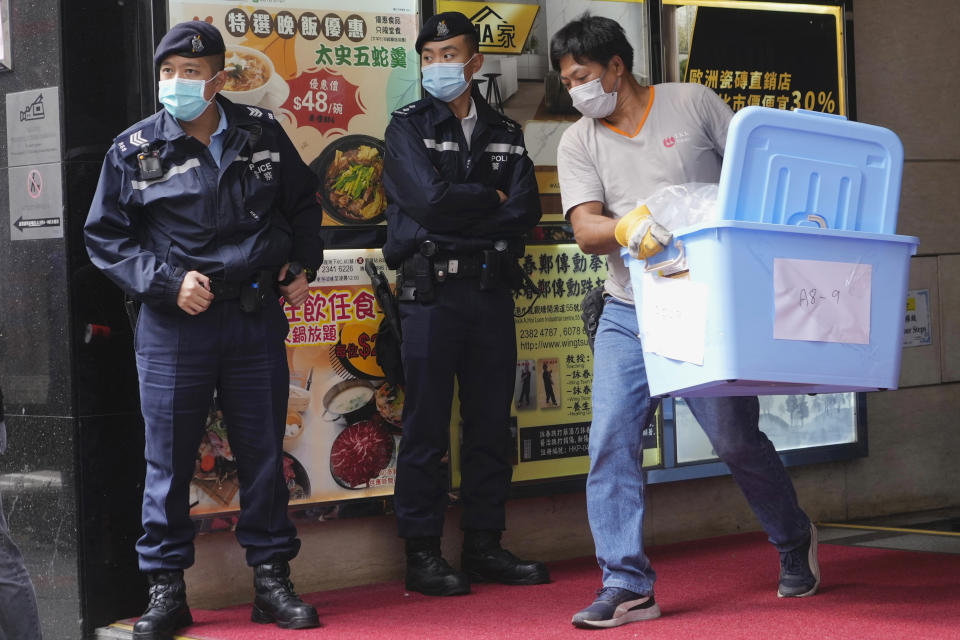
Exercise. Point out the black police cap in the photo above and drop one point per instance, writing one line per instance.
(444, 26)
(193, 39)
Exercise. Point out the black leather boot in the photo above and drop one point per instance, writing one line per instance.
(167, 610)
(276, 601)
(484, 560)
(428, 573)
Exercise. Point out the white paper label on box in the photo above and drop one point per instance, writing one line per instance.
(674, 314)
(821, 301)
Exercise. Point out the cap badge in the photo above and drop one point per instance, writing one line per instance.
(442, 29)
(196, 44)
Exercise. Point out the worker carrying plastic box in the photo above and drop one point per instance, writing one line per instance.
(793, 281)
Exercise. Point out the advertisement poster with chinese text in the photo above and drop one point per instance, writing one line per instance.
(331, 73)
(764, 53)
(343, 418)
(552, 406)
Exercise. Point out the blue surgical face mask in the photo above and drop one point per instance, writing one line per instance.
(445, 80)
(183, 98)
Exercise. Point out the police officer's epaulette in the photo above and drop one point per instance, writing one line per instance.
(256, 113)
(131, 141)
(510, 125)
(412, 108)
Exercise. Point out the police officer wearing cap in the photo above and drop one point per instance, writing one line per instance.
(462, 192)
(207, 215)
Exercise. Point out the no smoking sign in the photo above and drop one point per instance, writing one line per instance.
(36, 202)
(34, 183)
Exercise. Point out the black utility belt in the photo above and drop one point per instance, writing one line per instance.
(457, 267)
(419, 274)
(253, 294)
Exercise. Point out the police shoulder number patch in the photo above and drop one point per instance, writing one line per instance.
(411, 108)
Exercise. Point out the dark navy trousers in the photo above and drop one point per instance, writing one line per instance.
(181, 359)
(19, 618)
(468, 334)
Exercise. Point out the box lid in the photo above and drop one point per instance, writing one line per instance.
(807, 168)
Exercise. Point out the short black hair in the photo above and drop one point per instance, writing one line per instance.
(474, 39)
(591, 39)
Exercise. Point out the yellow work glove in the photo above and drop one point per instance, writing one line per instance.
(641, 234)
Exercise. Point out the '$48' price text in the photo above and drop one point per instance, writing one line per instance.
(312, 101)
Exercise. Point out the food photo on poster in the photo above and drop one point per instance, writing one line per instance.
(343, 422)
(331, 73)
(351, 422)
(350, 171)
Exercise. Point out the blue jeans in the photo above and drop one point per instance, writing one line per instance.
(615, 486)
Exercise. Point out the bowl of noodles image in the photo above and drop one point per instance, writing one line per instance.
(248, 74)
(351, 186)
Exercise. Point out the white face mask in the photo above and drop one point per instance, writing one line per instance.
(592, 101)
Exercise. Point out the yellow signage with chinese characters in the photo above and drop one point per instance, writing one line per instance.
(502, 27)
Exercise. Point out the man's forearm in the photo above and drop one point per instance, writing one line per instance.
(594, 233)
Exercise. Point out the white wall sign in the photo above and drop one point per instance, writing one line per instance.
(36, 202)
(821, 301)
(916, 324)
(33, 127)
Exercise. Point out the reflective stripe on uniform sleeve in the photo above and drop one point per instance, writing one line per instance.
(502, 147)
(442, 146)
(175, 170)
(258, 156)
(263, 155)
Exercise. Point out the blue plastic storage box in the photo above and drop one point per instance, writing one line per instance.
(805, 196)
(741, 356)
(811, 169)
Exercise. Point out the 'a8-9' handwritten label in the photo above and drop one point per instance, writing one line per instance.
(821, 301)
(811, 297)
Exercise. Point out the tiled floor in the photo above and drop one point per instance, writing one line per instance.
(934, 531)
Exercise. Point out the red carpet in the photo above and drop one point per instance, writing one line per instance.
(717, 589)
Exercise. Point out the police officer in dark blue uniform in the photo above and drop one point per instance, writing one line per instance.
(461, 192)
(205, 213)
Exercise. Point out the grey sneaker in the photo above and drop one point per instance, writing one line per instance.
(614, 607)
(800, 570)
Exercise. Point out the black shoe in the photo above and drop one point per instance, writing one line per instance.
(428, 573)
(484, 560)
(276, 601)
(800, 570)
(167, 611)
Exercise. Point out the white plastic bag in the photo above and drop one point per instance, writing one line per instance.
(682, 205)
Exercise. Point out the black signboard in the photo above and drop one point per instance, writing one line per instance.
(786, 59)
